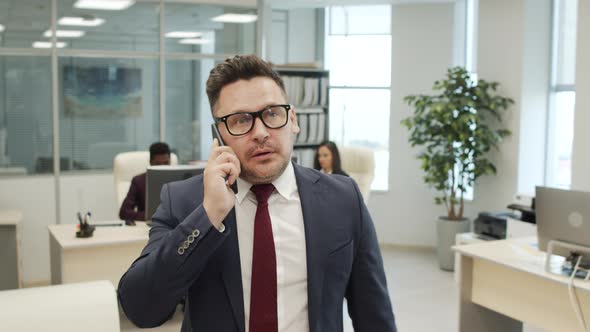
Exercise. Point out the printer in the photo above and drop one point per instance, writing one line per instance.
(520, 221)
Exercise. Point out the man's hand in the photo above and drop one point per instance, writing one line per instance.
(219, 199)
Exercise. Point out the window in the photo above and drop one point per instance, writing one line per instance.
(358, 55)
(560, 128)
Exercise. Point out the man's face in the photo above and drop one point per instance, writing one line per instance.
(160, 159)
(264, 153)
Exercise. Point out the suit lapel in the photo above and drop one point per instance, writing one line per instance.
(232, 273)
(310, 195)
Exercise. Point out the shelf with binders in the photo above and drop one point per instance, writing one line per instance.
(308, 91)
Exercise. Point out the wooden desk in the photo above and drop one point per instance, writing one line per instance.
(503, 283)
(104, 256)
(10, 257)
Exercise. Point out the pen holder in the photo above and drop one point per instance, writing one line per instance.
(86, 230)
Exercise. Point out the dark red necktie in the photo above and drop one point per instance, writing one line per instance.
(263, 291)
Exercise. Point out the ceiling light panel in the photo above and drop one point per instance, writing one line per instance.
(104, 4)
(194, 41)
(64, 33)
(183, 34)
(81, 21)
(43, 44)
(235, 18)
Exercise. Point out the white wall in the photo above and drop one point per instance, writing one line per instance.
(294, 35)
(302, 35)
(422, 50)
(581, 149)
(34, 196)
(500, 58)
(534, 101)
(515, 53)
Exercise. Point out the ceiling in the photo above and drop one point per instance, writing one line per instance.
(26, 16)
(287, 4)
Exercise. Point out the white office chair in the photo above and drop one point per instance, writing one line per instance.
(126, 165)
(359, 163)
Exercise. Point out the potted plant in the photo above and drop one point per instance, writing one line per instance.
(456, 128)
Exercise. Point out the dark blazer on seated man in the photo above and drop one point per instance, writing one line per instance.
(133, 206)
(343, 261)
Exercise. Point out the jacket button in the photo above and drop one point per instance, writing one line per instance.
(196, 233)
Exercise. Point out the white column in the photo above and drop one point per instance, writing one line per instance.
(513, 49)
(422, 50)
(581, 150)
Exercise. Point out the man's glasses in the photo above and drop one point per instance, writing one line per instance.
(273, 117)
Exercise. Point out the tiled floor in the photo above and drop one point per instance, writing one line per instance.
(424, 297)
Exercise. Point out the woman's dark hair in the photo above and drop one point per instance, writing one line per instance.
(336, 164)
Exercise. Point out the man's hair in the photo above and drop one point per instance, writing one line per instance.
(240, 67)
(159, 148)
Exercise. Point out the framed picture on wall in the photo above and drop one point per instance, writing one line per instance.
(102, 92)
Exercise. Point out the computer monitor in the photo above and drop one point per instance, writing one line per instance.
(562, 215)
(157, 176)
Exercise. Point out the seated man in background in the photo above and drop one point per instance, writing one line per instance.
(133, 207)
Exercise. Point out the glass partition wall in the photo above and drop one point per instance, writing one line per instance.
(127, 73)
(81, 81)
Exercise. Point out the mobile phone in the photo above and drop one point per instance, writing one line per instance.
(215, 133)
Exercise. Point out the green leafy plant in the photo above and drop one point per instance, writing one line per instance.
(457, 128)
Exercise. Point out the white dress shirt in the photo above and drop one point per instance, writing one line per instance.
(288, 231)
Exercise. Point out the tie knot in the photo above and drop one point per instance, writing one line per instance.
(262, 191)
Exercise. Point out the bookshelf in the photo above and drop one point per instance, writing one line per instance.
(308, 90)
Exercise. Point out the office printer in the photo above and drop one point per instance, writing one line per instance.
(520, 221)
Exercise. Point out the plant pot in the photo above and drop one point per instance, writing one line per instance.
(446, 232)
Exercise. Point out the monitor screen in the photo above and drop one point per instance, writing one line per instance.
(157, 176)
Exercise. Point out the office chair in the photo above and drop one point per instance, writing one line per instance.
(359, 163)
(126, 165)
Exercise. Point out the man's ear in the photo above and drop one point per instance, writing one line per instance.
(295, 127)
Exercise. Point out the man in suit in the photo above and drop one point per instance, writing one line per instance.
(133, 206)
(280, 255)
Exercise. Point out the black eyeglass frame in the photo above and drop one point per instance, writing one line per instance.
(257, 114)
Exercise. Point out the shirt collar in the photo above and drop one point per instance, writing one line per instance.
(284, 184)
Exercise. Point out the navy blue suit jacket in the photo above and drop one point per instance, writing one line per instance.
(343, 261)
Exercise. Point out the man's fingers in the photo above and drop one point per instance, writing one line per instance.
(227, 157)
(231, 171)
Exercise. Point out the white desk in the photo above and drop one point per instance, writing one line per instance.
(503, 283)
(88, 307)
(10, 243)
(104, 256)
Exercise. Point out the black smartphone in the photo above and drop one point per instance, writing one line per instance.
(215, 133)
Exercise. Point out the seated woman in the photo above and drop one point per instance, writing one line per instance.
(327, 159)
